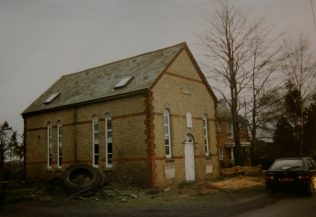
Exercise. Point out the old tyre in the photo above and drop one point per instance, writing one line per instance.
(82, 178)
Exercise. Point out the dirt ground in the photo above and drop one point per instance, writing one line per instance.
(185, 199)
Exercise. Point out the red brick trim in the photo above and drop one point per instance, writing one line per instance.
(177, 116)
(177, 158)
(132, 159)
(119, 160)
(36, 129)
(79, 123)
(36, 162)
(158, 113)
(200, 156)
(64, 125)
(166, 159)
(55, 162)
(184, 77)
(129, 115)
(150, 136)
(183, 116)
(114, 118)
(87, 122)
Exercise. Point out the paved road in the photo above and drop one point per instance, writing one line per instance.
(279, 205)
(286, 205)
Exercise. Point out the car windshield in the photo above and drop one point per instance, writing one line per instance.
(287, 164)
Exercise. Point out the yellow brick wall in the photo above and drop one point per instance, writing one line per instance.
(181, 90)
(128, 120)
(184, 67)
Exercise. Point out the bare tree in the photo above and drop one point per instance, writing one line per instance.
(299, 66)
(313, 12)
(233, 45)
(262, 107)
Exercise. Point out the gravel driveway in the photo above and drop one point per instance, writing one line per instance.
(218, 198)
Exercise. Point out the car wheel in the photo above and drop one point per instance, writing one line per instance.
(311, 187)
(270, 187)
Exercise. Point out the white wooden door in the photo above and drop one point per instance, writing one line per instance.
(189, 159)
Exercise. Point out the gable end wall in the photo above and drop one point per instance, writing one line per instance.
(180, 90)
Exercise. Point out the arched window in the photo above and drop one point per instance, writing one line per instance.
(59, 145)
(95, 141)
(167, 133)
(205, 135)
(108, 141)
(49, 146)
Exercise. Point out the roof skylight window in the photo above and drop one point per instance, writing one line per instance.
(123, 82)
(51, 98)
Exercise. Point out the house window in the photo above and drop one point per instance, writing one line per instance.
(205, 134)
(219, 125)
(108, 141)
(51, 98)
(59, 145)
(167, 133)
(230, 130)
(49, 146)
(95, 141)
(123, 82)
(221, 153)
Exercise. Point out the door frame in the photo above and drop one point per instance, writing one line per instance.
(189, 159)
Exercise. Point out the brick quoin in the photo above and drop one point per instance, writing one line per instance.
(150, 137)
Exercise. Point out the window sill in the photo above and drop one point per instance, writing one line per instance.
(208, 157)
(169, 160)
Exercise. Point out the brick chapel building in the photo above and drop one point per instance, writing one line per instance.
(146, 120)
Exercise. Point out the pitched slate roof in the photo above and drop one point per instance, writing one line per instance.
(98, 83)
(223, 113)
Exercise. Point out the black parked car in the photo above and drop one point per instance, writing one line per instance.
(298, 173)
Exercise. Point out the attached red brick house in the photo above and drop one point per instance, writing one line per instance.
(225, 137)
(145, 120)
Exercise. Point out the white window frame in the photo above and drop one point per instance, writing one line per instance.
(221, 153)
(95, 138)
(205, 136)
(167, 133)
(59, 145)
(108, 141)
(230, 132)
(49, 146)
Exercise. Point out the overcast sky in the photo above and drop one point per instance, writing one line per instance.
(41, 40)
